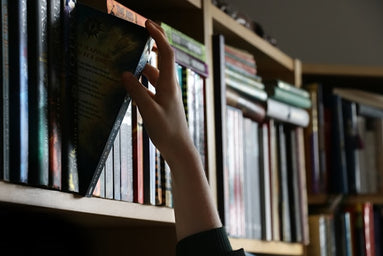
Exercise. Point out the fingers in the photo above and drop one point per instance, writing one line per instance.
(140, 94)
(166, 53)
(151, 73)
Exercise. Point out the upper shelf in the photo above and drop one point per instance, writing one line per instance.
(265, 53)
(70, 203)
(341, 70)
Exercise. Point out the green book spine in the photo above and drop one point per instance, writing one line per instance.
(289, 97)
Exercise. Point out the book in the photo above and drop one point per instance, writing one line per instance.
(286, 87)
(55, 83)
(369, 111)
(117, 165)
(4, 91)
(18, 91)
(190, 62)
(184, 42)
(247, 90)
(126, 155)
(220, 122)
(38, 92)
(368, 224)
(117, 9)
(137, 142)
(101, 101)
(287, 113)
(287, 96)
(265, 184)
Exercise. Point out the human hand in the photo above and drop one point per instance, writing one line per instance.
(162, 111)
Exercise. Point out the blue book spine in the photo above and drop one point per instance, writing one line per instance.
(18, 85)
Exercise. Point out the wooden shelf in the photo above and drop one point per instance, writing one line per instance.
(341, 70)
(32, 197)
(264, 247)
(327, 199)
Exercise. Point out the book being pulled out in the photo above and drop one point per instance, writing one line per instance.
(104, 47)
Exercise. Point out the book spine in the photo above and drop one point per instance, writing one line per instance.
(69, 133)
(289, 87)
(184, 42)
(126, 160)
(117, 165)
(287, 113)
(240, 65)
(249, 108)
(38, 92)
(254, 81)
(289, 98)
(55, 66)
(247, 90)
(368, 221)
(109, 183)
(18, 91)
(159, 184)
(191, 62)
(138, 182)
(220, 121)
(5, 90)
(241, 55)
(123, 12)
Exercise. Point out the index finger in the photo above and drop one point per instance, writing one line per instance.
(166, 53)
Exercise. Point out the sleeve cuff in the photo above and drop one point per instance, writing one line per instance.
(211, 242)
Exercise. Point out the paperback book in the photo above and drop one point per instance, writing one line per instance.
(105, 47)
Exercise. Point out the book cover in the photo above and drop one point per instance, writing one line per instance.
(18, 91)
(38, 92)
(4, 92)
(105, 47)
(55, 66)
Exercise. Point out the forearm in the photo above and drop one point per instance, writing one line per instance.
(194, 207)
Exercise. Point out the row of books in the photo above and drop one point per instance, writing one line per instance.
(88, 137)
(260, 154)
(356, 229)
(344, 141)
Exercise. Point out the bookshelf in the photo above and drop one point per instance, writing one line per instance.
(200, 19)
(335, 205)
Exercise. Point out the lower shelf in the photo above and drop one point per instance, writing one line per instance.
(264, 247)
(33, 197)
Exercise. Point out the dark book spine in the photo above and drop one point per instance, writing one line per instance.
(339, 167)
(191, 62)
(38, 92)
(70, 172)
(5, 91)
(55, 82)
(220, 119)
(18, 91)
(284, 195)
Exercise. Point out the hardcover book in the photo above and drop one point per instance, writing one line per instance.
(105, 47)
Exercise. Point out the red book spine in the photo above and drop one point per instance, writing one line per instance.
(368, 220)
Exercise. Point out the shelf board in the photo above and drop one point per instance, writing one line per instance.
(341, 70)
(265, 53)
(267, 247)
(27, 196)
(327, 199)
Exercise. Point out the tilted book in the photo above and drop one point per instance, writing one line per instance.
(105, 46)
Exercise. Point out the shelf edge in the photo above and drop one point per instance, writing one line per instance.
(267, 247)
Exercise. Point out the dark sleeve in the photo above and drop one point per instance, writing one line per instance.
(213, 242)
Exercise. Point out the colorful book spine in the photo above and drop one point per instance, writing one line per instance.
(38, 92)
(184, 42)
(5, 90)
(55, 66)
(18, 91)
